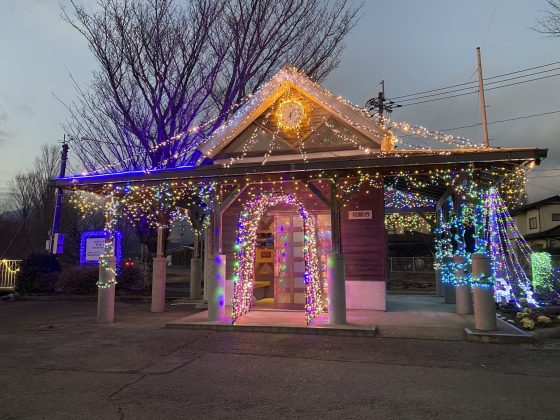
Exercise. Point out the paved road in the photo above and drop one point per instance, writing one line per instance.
(55, 362)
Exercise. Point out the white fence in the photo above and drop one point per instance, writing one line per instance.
(8, 270)
(412, 264)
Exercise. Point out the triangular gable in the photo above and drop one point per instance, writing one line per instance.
(288, 78)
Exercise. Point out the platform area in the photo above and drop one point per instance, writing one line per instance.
(425, 317)
(265, 319)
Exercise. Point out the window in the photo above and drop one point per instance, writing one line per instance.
(556, 217)
(532, 222)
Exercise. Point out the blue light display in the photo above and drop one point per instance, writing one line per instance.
(100, 234)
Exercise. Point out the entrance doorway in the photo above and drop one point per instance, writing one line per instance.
(298, 264)
(289, 259)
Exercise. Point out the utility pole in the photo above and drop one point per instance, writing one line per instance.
(380, 103)
(59, 193)
(482, 101)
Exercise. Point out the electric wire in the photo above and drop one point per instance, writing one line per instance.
(487, 84)
(501, 121)
(473, 82)
(476, 91)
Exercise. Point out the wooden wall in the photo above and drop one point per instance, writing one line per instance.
(364, 242)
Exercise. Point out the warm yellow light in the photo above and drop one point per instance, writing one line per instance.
(290, 114)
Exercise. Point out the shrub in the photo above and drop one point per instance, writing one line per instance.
(38, 273)
(80, 280)
(129, 277)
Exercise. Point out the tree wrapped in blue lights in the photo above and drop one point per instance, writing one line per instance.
(444, 247)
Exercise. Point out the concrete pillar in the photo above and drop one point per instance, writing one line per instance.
(439, 285)
(106, 294)
(337, 289)
(483, 293)
(207, 261)
(158, 284)
(217, 289)
(449, 293)
(448, 280)
(196, 277)
(463, 296)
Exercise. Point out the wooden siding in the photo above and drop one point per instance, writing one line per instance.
(364, 241)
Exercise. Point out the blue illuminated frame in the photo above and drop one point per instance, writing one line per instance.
(100, 234)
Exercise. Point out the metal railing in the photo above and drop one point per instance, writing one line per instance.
(412, 264)
(8, 270)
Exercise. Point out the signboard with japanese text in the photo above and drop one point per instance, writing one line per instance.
(359, 214)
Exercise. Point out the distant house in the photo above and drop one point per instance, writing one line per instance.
(539, 222)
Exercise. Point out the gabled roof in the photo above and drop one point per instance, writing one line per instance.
(288, 77)
(549, 233)
(550, 200)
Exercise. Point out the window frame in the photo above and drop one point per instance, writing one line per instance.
(531, 220)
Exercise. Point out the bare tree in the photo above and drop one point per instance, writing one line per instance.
(27, 218)
(155, 72)
(550, 23)
(32, 201)
(166, 67)
(171, 72)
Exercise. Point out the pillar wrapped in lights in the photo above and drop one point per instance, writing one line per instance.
(463, 295)
(106, 289)
(217, 289)
(483, 294)
(107, 267)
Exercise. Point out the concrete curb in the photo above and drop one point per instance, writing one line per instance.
(87, 298)
(545, 333)
(421, 333)
(348, 332)
(511, 335)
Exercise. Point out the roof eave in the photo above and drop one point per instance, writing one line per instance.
(392, 159)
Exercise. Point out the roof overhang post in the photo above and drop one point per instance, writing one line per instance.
(336, 273)
(107, 267)
(216, 280)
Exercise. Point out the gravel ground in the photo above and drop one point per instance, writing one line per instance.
(56, 362)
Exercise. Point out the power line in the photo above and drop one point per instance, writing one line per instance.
(476, 91)
(487, 84)
(490, 23)
(472, 82)
(501, 121)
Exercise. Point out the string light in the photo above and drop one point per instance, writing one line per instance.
(7, 264)
(245, 247)
(509, 253)
(542, 272)
(410, 222)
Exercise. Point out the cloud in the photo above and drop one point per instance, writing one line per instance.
(25, 109)
(6, 133)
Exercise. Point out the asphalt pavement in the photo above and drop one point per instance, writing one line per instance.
(57, 363)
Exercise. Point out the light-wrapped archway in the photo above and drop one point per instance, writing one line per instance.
(243, 278)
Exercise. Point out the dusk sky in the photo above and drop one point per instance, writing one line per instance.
(412, 45)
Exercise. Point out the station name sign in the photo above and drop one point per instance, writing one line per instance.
(359, 214)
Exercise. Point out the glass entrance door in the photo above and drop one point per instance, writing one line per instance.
(289, 265)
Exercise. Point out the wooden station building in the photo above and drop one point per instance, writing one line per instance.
(294, 138)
